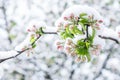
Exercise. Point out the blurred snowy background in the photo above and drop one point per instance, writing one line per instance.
(46, 63)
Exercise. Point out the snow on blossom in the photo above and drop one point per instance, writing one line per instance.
(77, 9)
(59, 45)
(32, 25)
(70, 25)
(7, 54)
(25, 44)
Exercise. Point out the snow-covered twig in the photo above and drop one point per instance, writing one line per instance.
(20, 52)
(109, 38)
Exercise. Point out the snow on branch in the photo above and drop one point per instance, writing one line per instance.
(81, 30)
(29, 43)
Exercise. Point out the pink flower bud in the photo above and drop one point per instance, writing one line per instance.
(68, 50)
(28, 30)
(78, 59)
(84, 58)
(99, 46)
(65, 18)
(71, 16)
(23, 49)
(58, 43)
(100, 21)
(60, 24)
(66, 25)
(34, 26)
(76, 17)
(97, 24)
(73, 54)
(69, 41)
(37, 35)
(71, 27)
(60, 47)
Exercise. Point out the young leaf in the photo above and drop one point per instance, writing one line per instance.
(83, 14)
(32, 39)
(34, 45)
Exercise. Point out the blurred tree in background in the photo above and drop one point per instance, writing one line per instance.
(46, 63)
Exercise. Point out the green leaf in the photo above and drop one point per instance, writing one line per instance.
(41, 31)
(32, 39)
(87, 44)
(84, 20)
(83, 26)
(93, 33)
(91, 38)
(34, 45)
(88, 57)
(77, 31)
(83, 14)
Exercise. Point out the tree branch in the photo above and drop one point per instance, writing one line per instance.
(49, 32)
(110, 38)
(20, 52)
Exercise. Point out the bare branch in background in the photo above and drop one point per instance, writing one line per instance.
(104, 63)
(5, 19)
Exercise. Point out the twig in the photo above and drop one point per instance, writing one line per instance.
(72, 72)
(87, 31)
(20, 52)
(110, 38)
(50, 32)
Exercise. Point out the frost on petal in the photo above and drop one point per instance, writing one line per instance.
(6, 54)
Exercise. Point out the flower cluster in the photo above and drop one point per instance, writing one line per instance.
(34, 32)
(78, 33)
